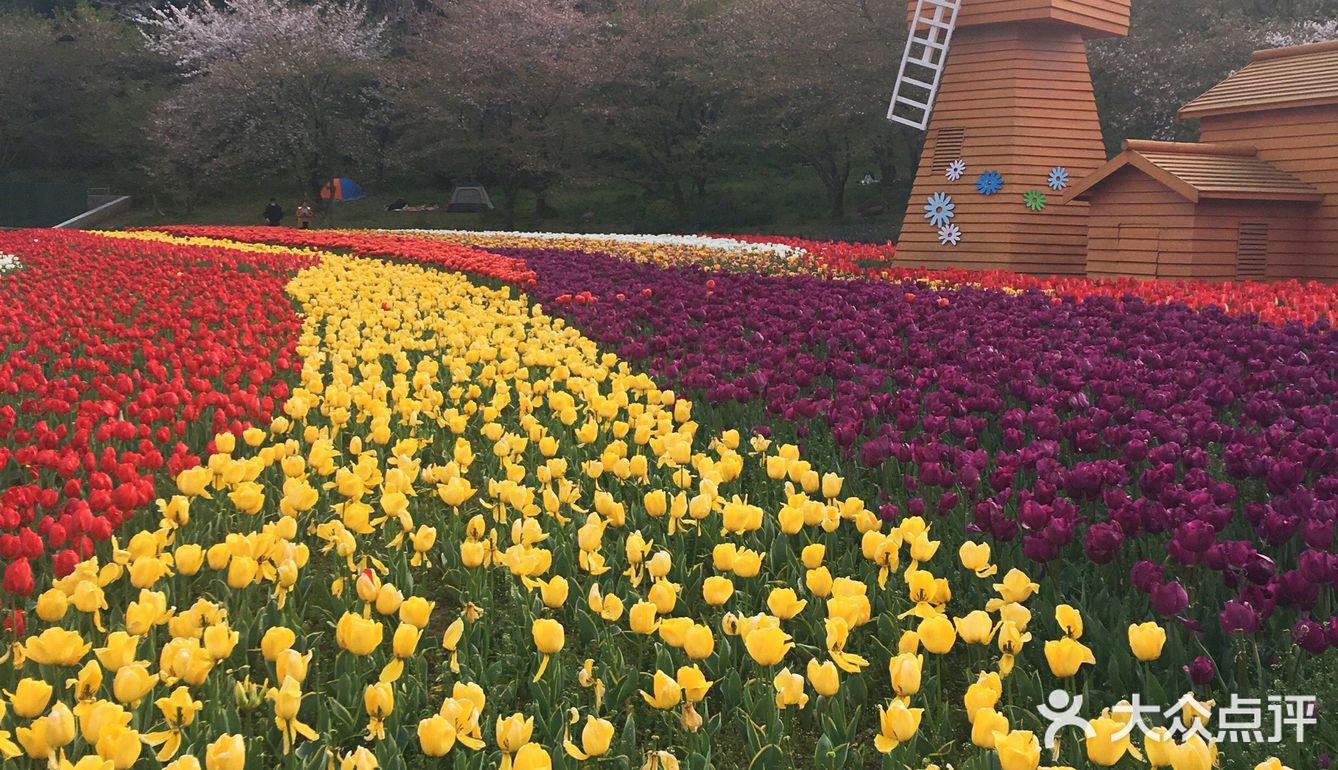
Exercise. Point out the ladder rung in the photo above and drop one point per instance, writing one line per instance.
(926, 62)
(918, 125)
(910, 102)
(918, 83)
(928, 42)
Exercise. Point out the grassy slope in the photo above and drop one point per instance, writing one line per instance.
(775, 205)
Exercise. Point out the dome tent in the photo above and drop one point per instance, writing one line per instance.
(469, 198)
(342, 190)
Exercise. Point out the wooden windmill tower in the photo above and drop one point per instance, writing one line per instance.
(1011, 118)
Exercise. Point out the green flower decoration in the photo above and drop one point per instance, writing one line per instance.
(1035, 200)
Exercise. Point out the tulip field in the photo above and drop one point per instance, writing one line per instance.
(399, 500)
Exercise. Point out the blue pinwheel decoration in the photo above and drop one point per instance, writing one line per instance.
(940, 209)
(1059, 178)
(990, 183)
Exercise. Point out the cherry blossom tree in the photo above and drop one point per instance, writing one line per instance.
(269, 90)
(494, 89)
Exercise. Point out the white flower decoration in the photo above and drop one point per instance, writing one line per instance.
(956, 170)
(1059, 178)
(9, 262)
(949, 235)
(940, 209)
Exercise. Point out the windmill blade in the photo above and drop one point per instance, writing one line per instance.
(923, 61)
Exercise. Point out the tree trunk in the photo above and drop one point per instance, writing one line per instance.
(836, 200)
(510, 194)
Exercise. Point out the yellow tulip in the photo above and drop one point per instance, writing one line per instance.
(194, 482)
(986, 725)
(824, 677)
(1070, 621)
(982, 693)
(57, 647)
(553, 592)
(1103, 748)
(1016, 586)
(908, 643)
(1146, 640)
(905, 670)
(1194, 753)
(1018, 750)
(698, 642)
(189, 559)
(59, 727)
(1066, 655)
(812, 555)
(976, 628)
(747, 563)
(694, 683)
(30, 697)
(220, 640)
(357, 634)
(379, 702)
(1272, 763)
(716, 590)
(132, 683)
(416, 611)
(976, 557)
(818, 582)
(667, 692)
(388, 599)
(596, 737)
(119, 744)
(937, 634)
(1157, 746)
(768, 646)
(436, 735)
(226, 753)
(641, 618)
(275, 640)
(513, 732)
(789, 689)
(831, 485)
(549, 638)
(532, 756)
(896, 724)
(242, 572)
(784, 604)
(664, 595)
(52, 604)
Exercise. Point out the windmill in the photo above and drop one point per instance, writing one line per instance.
(1010, 118)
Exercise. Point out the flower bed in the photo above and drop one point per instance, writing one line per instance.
(1113, 433)
(118, 359)
(378, 244)
(477, 535)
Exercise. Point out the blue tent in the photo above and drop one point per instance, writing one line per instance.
(341, 190)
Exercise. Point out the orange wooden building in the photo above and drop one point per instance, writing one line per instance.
(1257, 198)
(1014, 111)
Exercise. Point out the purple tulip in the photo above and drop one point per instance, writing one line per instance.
(1146, 575)
(1201, 670)
(1138, 426)
(1169, 599)
(1238, 618)
(1310, 636)
(1103, 542)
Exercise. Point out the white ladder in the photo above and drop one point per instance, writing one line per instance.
(923, 61)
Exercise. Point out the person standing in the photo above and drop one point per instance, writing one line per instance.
(273, 213)
(304, 215)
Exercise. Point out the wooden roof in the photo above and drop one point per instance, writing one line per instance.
(1202, 171)
(1279, 78)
